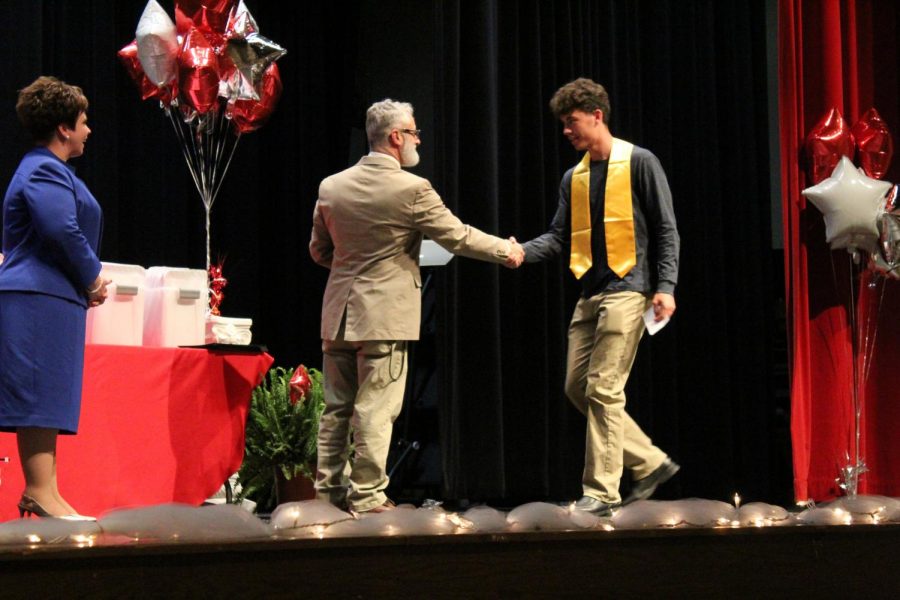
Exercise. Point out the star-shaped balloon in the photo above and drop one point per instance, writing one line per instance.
(253, 55)
(157, 45)
(852, 205)
(887, 260)
(209, 16)
(240, 23)
(199, 72)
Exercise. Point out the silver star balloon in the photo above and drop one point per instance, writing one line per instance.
(253, 55)
(240, 22)
(157, 46)
(852, 205)
(887, 260)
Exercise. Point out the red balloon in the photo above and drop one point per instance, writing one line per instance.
(876, 148)
(250, 115)
(129, 58)
(828, 141)
(300, 384)
(199, 72)
(209, 16)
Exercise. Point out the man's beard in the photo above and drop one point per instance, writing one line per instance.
(409, 156)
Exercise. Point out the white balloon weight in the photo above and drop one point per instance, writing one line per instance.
(852, 205)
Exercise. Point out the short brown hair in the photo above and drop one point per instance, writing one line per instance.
(46, 103)
(582, 94)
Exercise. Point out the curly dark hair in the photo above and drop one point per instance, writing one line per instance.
(48, 102)
(582, 94)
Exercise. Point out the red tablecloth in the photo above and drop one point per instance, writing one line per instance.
(157, 425)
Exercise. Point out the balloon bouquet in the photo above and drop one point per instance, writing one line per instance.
(862, 215)
(215, 78)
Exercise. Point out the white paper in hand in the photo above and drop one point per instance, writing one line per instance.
(652, 324)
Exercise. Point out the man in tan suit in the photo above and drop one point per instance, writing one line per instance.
(368, 226)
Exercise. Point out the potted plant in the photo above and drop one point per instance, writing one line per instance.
(281, 437)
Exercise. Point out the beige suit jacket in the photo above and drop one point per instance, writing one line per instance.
(368, 226)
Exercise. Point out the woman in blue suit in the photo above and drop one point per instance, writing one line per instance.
(49, 276)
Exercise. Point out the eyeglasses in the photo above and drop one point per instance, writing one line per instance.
(415, 132)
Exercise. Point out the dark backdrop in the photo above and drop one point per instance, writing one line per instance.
(687, 79)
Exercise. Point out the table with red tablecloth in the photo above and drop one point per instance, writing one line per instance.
(157, 425)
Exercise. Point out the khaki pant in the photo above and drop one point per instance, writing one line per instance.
(603, 341)
(364, 384)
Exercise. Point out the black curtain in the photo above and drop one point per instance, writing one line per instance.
(687, 80)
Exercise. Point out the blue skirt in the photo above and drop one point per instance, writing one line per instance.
(41, 361)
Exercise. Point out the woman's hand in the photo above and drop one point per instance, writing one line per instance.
(97, 293)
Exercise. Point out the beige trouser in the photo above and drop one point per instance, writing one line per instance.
(364, 384)
(603, 341)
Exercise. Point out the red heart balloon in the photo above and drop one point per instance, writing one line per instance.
(876, 147)
(250, 115)
(826, 143)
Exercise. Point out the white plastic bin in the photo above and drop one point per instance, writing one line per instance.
(119, 320)
(175, 307)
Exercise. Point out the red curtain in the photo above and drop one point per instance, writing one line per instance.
(841, 54)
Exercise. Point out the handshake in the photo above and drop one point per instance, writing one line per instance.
(516, 254)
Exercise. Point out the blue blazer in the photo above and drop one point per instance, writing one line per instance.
(51, 230)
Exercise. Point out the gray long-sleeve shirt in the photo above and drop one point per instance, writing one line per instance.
(656, 236)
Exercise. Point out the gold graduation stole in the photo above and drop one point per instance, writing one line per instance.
(618, 219)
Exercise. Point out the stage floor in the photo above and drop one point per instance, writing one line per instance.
(797, 562)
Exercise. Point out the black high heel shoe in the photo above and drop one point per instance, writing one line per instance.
(30, 506)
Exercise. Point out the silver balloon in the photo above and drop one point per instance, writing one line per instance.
(252, 56)
(887, 260)
(240, 22)
(852, 205)
(157, 44)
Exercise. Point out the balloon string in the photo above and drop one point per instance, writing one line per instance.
(211, 138)
(854, 341)
(184, 147)
(223, 140)
(216, 145)
(855, 434)
(228, 163)
(208, 246)
(868, 357)
(191, 145)
(204, 143)
(197, 143)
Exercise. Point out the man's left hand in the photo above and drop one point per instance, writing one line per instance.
(663, 305)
